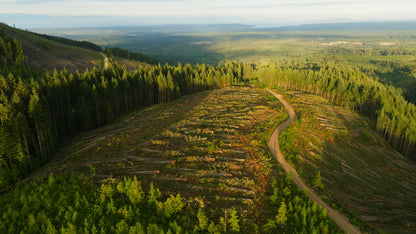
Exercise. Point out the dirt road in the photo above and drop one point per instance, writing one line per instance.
(105, 60)
(339, 219)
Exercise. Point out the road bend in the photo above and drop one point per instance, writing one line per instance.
(340, 220)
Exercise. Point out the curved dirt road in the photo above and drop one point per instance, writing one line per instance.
(273, 143)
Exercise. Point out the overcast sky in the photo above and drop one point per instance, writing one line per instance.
(54, 13)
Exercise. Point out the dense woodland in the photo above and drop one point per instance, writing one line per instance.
(392, 66)
(75, 205)
(11, 52)
(118, 52)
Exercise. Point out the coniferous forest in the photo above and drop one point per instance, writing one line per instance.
(41, 111)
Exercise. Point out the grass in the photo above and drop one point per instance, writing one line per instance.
(209, 145)
(362, 175)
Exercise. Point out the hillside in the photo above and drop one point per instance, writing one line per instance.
(199, 164)
(47, 55)
(360, 172)
(189, 146)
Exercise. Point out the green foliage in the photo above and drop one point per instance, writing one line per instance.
(233, 221)
(132, 189)
(281, 214)
(69, 205)
(347, 86)
(293, 212)
(52, 205)
(35, 114)
(317, 182)
(11, 52)
(172, 206)
(330, 139)
(118, 52)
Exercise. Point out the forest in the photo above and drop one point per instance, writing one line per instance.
(118, 52)
(40, 111)
(64, 204)
(11, 52)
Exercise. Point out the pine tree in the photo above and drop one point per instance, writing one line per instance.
(202, 220)
(233, 221)
(317, 182)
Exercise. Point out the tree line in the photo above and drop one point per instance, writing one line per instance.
(391, 51)
(74, 204)
(118, 52)
(346, 85)
(11, 52)
(63, 204)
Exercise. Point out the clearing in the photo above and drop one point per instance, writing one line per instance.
(362, 175)
(208, 145)
(342, 221)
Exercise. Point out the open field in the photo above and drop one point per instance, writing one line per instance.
(360, 172)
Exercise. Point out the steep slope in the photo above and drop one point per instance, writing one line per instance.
(46, 55)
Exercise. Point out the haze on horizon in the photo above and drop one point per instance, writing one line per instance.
(76, 13)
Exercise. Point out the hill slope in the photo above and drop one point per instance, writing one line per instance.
(191, 146)
(47, 55)
(359, 171)
(209, 147)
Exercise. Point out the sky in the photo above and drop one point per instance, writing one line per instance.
(74, 13)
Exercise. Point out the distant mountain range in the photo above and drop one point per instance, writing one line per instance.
(197, 28)
(350, 26)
